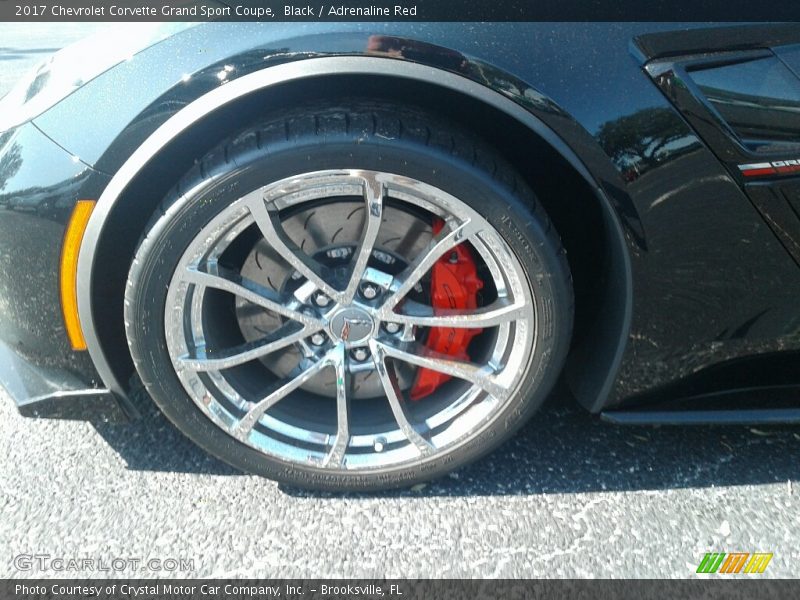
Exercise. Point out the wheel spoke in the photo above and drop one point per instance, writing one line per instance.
(335, 458)
(268, 223)
(499, 312)
(443, 242)
(234, 283)
(394, 395)
(479, 375)
(282, 337)
(246, 424)
(373, 199)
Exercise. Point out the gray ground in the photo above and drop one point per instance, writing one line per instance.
(568, 497)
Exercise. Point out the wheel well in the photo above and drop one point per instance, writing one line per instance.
(571, 202)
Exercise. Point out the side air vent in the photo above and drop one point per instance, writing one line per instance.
(759, 100)
(745, 104)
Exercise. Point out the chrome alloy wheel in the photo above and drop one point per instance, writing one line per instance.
(306, 347)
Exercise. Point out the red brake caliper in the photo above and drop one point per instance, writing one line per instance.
(454, 285)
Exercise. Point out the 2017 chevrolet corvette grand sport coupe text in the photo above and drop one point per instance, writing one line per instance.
(357, 256)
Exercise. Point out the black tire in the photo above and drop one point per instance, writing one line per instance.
(361, 135)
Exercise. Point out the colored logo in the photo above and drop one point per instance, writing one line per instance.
(351, 325)
(734, 562)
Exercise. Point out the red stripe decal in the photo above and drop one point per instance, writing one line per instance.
(788, 169)
(754, 172)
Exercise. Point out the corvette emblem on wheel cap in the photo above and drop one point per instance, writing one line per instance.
(351, 325)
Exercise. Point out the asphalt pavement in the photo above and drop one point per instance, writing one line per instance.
(570, 496)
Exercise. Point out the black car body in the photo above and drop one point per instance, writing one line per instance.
(665, 154)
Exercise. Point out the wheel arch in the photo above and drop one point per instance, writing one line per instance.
(138, 186)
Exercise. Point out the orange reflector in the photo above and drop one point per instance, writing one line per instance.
(69, 271)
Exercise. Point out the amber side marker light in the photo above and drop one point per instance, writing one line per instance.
(69, 271)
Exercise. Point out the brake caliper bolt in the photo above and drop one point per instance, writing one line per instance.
(392, 327)
(318, 339)
(369, 291)
(359, 354)
(321, 300)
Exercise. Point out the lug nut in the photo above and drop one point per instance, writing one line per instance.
(392, 327)
(321, 300)
(318, 339)
(359, 354)
(369, 291)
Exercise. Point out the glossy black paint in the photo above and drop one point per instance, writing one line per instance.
(712, 283)
(39, 184)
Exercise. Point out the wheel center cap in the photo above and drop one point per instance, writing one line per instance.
(351, 325)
